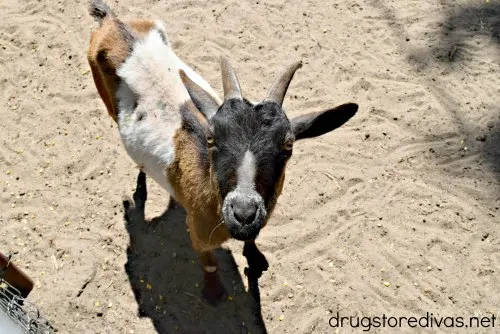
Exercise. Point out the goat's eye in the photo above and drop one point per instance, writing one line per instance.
(288, 145)
(210, 141)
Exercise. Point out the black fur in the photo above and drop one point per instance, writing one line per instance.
(240, 126)
(317, 124)
(257, 262)
(163, 37)
(99, 10)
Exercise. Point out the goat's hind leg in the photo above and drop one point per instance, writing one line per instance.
(257, 262)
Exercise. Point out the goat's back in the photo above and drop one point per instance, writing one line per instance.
(136, 73)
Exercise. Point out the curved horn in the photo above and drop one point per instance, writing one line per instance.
(280, 86)
(232, 89)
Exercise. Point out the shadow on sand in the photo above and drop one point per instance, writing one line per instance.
(466, 22)
(166, 276)
(461, 26)
(453, 48)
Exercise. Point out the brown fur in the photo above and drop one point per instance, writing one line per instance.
(197, 192)
(107, 52)
(141, 27)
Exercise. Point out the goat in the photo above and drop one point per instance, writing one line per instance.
(222, 161)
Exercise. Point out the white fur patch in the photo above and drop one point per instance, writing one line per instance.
(160, 25)
(210, 269)
(247, 171)
(149, 97)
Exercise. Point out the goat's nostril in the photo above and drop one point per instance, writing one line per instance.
(251, 218)
(244, 210)
(238, 217)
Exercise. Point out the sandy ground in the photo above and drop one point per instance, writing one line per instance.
(397, 212)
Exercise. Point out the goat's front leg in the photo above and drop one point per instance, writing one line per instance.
(257, 262)
(214, 291)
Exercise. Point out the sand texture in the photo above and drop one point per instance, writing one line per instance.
(397, 212)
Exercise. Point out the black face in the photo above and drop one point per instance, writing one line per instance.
(249, 146)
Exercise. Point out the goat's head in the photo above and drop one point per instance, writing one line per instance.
(250, 144)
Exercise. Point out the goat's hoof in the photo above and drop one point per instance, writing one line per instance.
(214, 291)
(215, 296)
(257, 262)
(261, 263)
(252, 272)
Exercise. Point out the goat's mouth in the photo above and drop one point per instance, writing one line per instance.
(244, 215)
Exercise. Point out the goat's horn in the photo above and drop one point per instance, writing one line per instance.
(232, 89)
(280, 86)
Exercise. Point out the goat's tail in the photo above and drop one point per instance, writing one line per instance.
(99, 10)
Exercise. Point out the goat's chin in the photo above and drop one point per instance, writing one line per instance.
(243, 232)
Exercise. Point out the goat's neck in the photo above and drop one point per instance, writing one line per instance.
(190, 174)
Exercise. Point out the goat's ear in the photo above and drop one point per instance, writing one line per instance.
(203, 101)
(318, 123)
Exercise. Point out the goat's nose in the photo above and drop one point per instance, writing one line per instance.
(244, 210)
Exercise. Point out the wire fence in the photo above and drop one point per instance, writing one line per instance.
(18, 315)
